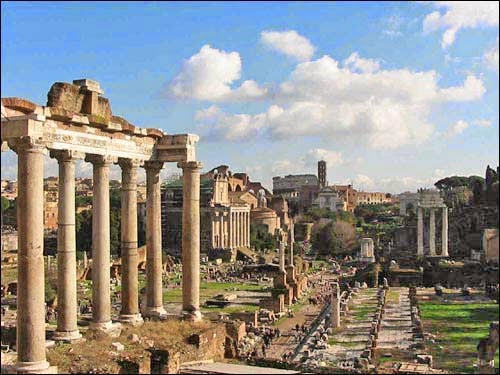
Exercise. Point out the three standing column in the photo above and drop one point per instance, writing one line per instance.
(420, 232)
(30, 335)
(444, 233)
(67, 328)
(154, 295)
(432, 232)
(101, 293)
(130, 296)
(191, 239)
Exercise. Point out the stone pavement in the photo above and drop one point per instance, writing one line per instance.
(396, 325)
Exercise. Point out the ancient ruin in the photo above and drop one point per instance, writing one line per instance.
(77, 124)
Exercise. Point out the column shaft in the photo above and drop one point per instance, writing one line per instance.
(67, 328)
(30, 292)
(130, 295)
(444, 233)
(154, 296)
(191, 240)
(432, 232)
(101, 262)
(420, 232)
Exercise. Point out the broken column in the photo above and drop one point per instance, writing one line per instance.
(335, 306)
(191, 239)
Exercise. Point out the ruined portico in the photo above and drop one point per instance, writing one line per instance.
(430, 200)
(77, 124)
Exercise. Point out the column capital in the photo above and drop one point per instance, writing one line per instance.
(105, 160)
(66, 155)
(154, 165)
(190, 165)
(29, 144)
(125, 163)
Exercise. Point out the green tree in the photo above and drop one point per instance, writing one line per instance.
(5, 204)
(334, 238)
(260, 238)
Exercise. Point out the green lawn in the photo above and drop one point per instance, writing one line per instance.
(458, 327)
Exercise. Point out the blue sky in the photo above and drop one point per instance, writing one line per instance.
(393, 95)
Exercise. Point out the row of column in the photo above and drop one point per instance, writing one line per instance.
(239, 229)
(31, 311)
(432, 232)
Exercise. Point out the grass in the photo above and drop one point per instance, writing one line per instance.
(363, 312)
(458, 327)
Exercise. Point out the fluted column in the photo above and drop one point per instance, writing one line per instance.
(67, 307)
(232, 230)
(154, 295)
(432, 232)
(101, 295)
(30, 327)
(281, 245)
(191, 239)
(129, 291)
(420, 232)
(444, 233)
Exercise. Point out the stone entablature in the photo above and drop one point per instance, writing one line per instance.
(430, 198)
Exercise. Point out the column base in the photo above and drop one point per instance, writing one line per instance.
(192, 316)
(109, 328)
(154, 312)
(67, 335)
(41, 367)
(132, 319)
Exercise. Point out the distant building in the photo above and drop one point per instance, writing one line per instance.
(299, 190)
(363, 197)
(348, 194)
(329, 198)
(407, 200)
(224, 214)
(322, 174)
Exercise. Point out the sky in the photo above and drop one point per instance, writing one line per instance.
(393, 95)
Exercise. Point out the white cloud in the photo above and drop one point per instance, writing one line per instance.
(289, 43)
(393, 25)
(384, 109)
(332, 158)
(460, 15)
(363, 182)
(357, 64)
(491, 57)
(456, 129)
(209, 74)
(472, 89)
(482, 123)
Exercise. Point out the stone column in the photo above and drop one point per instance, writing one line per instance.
(420, 231)
(335, 306)
(191, 239)
(444, 233)
(67, 306)
(281, 244)
(101, 263)
(30, 340)
(231, 229)
(154, 295)
(129, 291)
(213, 218)
(221, 223)
(432, 232)
(247, 229)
